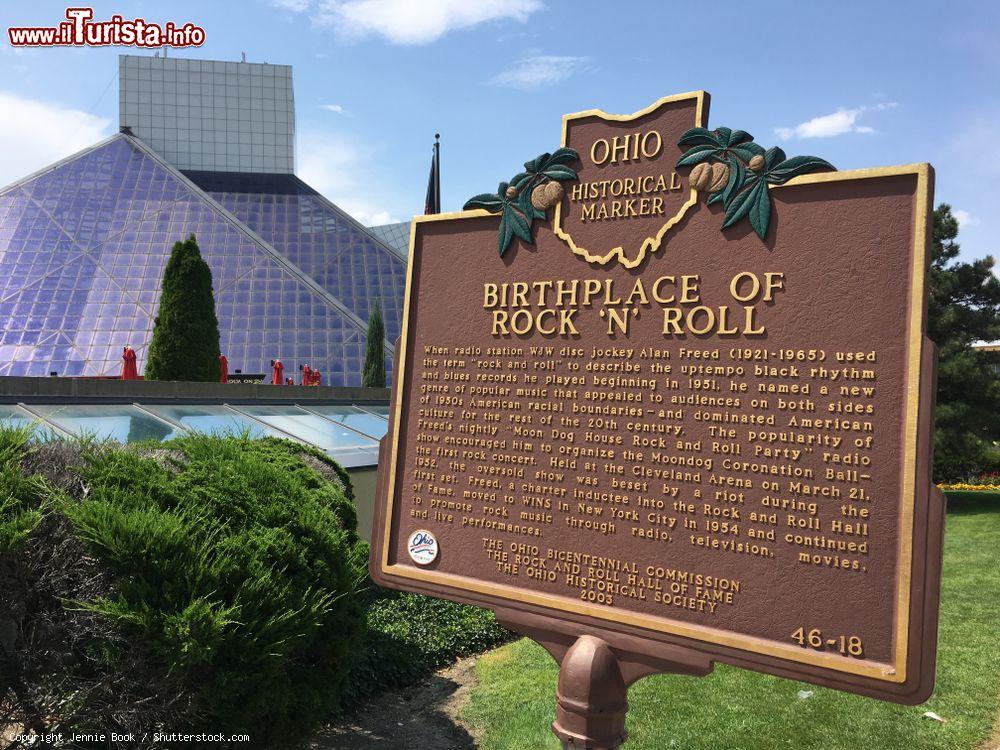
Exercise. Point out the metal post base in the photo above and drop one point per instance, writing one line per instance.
(596, 668)
(591, 700)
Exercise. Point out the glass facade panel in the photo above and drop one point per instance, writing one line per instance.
(354, 418)
(214, 420)
(349, 262)
(83, 248)
(396, 236)
(309, 427)
(127, 423)
(15, 416)
(120, 422)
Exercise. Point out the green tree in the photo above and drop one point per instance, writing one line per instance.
(373, 374)
(963, 308)
(185, 342)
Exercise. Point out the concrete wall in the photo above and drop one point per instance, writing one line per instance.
(363, 479)
(80, 390)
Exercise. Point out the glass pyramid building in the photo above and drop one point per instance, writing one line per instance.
(83, 245)
(317, 237)
(396, 236)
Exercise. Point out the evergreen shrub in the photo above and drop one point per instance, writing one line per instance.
(185, 343)
(203, 584)
(373, 373)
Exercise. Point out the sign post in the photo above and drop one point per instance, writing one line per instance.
(665, 398)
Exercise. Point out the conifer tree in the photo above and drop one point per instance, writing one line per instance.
(185, 343)
(373, 374)
(964, 307)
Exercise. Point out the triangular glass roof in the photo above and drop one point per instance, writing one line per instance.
(82, 251)
(341, 255)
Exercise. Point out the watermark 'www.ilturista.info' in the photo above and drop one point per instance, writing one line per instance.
(81, 31)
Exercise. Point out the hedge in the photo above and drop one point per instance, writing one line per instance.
(971, 497)
(410, 635)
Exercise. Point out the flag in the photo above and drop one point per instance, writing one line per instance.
(432, 203)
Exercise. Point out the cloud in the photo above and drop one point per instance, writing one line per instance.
(37, 133)
(837, 123)
(334, 108)
(536, 71)
(337, 168)
(296, 6)
(964, 218)
(409, 21)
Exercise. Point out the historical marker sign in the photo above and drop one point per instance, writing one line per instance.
(690, 400)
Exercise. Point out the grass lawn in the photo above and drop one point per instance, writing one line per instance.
(513, 703)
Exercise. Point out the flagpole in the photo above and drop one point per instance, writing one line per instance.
(437, 172)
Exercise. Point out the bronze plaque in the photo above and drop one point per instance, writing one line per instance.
(690, 399)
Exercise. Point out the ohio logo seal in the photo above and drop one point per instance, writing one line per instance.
(423, 547)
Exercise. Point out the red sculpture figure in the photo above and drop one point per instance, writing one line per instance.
(278, 374)
(289, 381)
(317, 380)
(223, 369)
(306, 375)
(129, 370)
